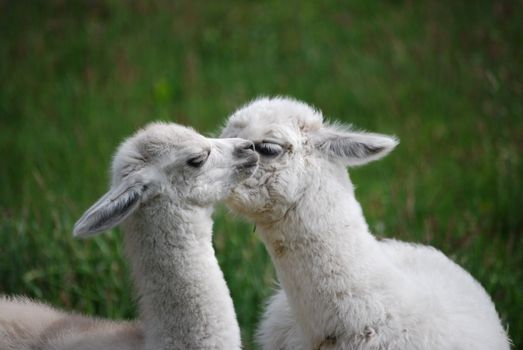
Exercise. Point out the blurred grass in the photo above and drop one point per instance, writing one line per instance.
(77, 77)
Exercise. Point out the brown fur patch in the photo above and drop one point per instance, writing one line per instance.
(279, 248)
(341, 295)
(329, 341)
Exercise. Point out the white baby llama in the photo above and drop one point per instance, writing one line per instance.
(342, 288)
(166, 179)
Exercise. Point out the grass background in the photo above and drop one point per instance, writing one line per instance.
(445, 76)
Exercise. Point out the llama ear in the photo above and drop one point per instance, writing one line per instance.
(353, 147)
(110, 210)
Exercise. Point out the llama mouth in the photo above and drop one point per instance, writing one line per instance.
(247, 166)
(249, 163)
(247, 169)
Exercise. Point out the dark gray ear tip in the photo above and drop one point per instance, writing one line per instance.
(80, 230)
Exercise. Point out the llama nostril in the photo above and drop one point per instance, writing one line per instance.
(244, 149)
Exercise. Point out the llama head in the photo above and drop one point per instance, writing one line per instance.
(173, 162)
(296, 148)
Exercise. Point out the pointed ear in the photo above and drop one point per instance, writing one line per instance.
(110, 210)
(353, 147)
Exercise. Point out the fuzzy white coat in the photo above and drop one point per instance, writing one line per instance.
(166, 179)
(342, 288)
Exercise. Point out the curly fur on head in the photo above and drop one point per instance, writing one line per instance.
(306, 148)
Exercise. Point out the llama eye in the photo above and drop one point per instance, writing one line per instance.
(268, 149)
(197, 162)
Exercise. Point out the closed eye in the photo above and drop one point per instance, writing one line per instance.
(268, 149)
(197, 161)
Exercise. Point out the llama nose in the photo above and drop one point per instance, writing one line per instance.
(245, 148)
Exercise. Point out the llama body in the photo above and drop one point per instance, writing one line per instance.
(166, 179)
(343, 289)
(27, 325)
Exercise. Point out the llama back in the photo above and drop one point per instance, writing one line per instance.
(458, 301)
(22, 321)
(29, 325)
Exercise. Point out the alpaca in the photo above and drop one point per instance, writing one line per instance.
(341, 287)
(165, 180)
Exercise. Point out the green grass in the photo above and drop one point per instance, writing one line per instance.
(77, 77)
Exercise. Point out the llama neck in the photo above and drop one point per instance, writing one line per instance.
(326, 259)
(184, 300)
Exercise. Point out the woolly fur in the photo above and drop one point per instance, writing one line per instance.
(164, 205)
(342, 288)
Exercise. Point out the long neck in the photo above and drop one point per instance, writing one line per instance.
(184, 300)
(326, 259)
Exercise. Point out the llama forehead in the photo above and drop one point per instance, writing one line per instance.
(158, 139)
(154, 144)
(258, 132)
(279, 119)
